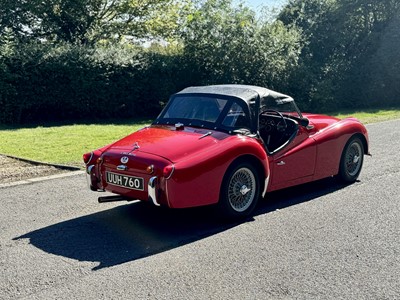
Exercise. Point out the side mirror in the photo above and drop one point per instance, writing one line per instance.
(304, 122)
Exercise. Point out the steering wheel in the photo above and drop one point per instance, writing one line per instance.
(281, 125)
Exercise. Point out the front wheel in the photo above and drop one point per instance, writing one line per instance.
(240, 191)
(352, 160)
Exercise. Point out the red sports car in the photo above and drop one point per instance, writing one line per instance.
(226, 145)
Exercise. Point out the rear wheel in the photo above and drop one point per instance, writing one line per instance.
(240, 191)
(352, 160)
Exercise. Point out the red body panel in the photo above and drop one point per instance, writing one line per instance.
(200, 158)
(315, 153)
(294, 164)
(197, 178)
(320, 122)
(199, 163)
(169, 143)
(330, 144)
(137, 164)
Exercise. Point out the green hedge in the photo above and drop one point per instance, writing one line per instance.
(46, 83)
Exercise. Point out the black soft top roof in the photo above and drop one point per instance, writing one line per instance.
(244, 92)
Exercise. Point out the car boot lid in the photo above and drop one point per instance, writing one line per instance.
(167, 142)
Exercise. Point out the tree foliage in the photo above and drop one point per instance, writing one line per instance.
(343, 38)
(227, 44)
(83, 21)
(83, 59)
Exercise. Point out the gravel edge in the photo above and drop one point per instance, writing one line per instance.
(38, 163)
(16, 171)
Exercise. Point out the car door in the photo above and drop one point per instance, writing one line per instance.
(295, 163)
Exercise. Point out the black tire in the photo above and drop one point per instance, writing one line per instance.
(352, 160)
(240, 191)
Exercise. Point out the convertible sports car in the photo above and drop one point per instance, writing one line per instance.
(226, 145)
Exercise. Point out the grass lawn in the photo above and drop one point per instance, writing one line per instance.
(371, 116)
(65, 144)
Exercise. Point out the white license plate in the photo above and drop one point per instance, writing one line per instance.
(130, 182)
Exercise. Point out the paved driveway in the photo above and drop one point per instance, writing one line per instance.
(317, 241)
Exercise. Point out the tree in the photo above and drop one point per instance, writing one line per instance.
(226, 44)
(84, 21)
(342, 39)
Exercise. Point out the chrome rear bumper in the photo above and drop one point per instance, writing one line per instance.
(89, 178)
(151, 188)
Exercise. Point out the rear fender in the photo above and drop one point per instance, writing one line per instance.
(330, 144)
(197, 179)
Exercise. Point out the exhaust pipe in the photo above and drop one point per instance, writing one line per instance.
(106, 199)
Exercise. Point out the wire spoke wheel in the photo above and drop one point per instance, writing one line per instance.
(352, 160)
(240, 191)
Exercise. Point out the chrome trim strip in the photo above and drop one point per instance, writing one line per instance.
(205, 135)
(265, 186)
(166, 193)
(151, 189)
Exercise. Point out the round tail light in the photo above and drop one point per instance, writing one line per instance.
(168, 171)
(87, 157)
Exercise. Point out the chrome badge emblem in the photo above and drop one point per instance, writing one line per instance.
(136, 146)
(124, 159)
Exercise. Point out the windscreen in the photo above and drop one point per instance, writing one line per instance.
(195, 108)
(285, 106)
(210, 112)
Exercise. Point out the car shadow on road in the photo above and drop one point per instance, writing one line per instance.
(129, 232)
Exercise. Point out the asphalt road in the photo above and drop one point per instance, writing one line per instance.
(317, 241)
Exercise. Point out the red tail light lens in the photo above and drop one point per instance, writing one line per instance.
(168, 171)
(87, 157)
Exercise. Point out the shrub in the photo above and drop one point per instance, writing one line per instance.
(68, 82)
